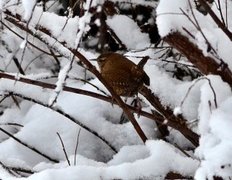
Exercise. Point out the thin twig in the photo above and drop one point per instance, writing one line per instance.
(226, 6)
(206, 64)
(22, 170)
(76, 91)
(7, 169)
(36, 47)
(26, 40)
(55, 58)
(29, 146)
(64, 150)
(216, 19)
(87, 82)
(11, 124)
(14, 171)
(69, 117)
(31, 61)
(18, 65)
(93, 69)
(77, 143)
(220, 11)
(183, 151)
(190, 88)
(214, 93)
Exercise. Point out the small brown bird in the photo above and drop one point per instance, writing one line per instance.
(125, 77)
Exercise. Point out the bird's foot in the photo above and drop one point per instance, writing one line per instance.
(137, 104)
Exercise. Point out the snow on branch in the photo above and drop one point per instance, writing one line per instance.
(29, 146)
(220, 24)
(42, 101)
(187, 33)
(173, 123)
(205, 40)
(206, 65)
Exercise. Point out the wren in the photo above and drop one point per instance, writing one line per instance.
(124, 76)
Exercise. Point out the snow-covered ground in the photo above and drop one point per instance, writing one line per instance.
(39, 125)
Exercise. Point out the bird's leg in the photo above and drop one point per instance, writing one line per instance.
(137, 105)
(123, 118)
(112, 101)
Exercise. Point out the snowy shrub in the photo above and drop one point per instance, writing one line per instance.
(61, 120)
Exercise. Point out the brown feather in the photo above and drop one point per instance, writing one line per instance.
(123, 75)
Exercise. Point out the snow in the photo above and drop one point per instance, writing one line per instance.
(133, 38)
(2, 2)
(60, 83)
(177, 111)
(62, 29)
(135, 2)
(215, 141)
(171, 18)
(23, 44)
(168, 13)
(41, 113)
(215, 144)
(129, 170)
(28, 7)
(208, 99)
(178, 89)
